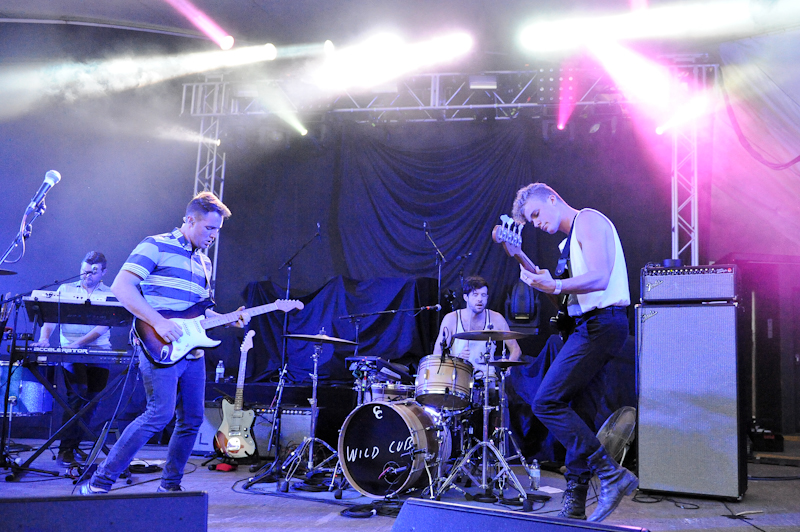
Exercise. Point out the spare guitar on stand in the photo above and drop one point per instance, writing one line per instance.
(234, 439)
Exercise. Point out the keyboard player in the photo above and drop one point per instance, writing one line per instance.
(83, 381)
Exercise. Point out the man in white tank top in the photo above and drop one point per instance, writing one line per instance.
(598, 297)
(476, 317)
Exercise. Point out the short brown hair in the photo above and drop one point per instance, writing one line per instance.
(206, 202)
(534, 190)
(95, 257)
(473, 282)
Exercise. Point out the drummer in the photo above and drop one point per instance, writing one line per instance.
(476, 317)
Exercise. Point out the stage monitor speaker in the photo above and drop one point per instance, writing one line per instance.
(690, 435)
(295, 425)
(187, 510)
(422, 515)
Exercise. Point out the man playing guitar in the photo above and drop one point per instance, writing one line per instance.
(167, 272)
(598, 297)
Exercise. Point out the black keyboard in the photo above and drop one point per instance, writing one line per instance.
(51, 356)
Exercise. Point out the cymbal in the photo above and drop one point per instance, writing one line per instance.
(489, 335)
(505, 364)
(319, 339)
(7, 272)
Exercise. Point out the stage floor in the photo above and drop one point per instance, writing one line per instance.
(772, 499)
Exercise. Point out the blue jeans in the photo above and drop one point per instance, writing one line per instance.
(595, 340)
(178, 389)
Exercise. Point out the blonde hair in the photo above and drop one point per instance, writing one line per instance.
(534, 190)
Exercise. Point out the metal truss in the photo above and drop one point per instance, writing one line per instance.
(210, 168)
(420, 98)
(685, 193)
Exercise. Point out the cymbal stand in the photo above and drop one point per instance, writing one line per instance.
(293, 461)
(503, 473)
(503, 433)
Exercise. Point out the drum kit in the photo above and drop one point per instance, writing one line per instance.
(411, 433)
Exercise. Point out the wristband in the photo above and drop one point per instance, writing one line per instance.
(558, 287)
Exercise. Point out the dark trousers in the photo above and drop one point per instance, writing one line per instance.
(595, 341)
(83, 383)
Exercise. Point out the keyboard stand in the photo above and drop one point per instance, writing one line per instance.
(76, 417)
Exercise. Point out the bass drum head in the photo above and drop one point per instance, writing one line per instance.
(383, 447)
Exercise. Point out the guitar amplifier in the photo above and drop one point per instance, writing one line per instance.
(688, 283)
(295, 425)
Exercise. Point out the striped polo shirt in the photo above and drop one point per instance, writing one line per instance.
(173, 277)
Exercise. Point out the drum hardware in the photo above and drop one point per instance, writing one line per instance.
(503, 434)
(293, 461)
(503, 474)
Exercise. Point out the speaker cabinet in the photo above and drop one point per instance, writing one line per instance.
(422, 515)
(186, 510)
(690, 434)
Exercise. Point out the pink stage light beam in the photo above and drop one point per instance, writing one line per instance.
(566, 94)
(203, 22)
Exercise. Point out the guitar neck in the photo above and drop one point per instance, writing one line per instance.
(523, 259)
(224, 319)
(528, 264)
(238, 403)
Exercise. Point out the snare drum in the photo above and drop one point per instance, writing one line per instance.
(390, 391)
(384, 447)
(444, 382)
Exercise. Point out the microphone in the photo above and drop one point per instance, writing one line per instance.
(425, 226)
(437, 307)
(465, 256)
(50, 179)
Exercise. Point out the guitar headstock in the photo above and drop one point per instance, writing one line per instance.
(287, 305)
(508, 233)
(247, 343)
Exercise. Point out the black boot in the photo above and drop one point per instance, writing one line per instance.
(615, 483)
(574, 500)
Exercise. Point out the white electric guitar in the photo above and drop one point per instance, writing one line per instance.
(234, 437)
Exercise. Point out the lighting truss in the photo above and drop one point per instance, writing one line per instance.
(685, 194)
(210, 168)
(420, 98)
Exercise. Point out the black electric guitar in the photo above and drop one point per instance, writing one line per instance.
(509, 234)
(193, 324)
(234, 437)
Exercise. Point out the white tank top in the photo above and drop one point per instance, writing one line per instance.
(476, 348)
(617, 294)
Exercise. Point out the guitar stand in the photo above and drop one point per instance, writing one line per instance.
(503, 474)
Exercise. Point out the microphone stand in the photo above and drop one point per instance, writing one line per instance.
(5, 458)
(288, 265)
(271, 472)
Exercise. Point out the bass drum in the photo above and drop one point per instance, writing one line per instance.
(384, 447)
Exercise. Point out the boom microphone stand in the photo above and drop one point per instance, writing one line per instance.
(288, 265)
(439, 261)
(23, 234)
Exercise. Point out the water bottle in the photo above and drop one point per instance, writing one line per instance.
(536, 475)
(220, 373)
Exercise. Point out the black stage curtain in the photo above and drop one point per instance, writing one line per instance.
(402, 336)
(398, 182)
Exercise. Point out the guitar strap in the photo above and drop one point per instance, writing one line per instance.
(563, 260)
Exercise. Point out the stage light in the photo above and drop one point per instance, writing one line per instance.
(226, 43)
(685, 20)
(483, 82)
(384, 57)
(203, 22)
